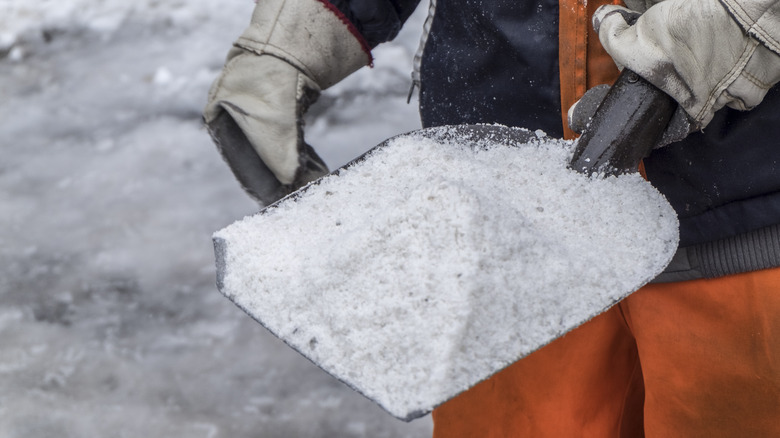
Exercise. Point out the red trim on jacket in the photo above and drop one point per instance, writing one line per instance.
(352, 29)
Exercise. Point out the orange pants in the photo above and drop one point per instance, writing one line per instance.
(691, 359)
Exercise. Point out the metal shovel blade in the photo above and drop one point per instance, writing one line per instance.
(441, 257)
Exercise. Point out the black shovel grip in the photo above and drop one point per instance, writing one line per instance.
(627, 125)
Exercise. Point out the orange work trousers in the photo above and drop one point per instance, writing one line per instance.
(691, 359)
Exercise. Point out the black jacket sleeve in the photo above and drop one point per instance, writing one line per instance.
(377, 20)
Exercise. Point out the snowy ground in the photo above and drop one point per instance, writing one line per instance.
(110, 321)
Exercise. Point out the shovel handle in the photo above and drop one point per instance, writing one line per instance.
(625, 128)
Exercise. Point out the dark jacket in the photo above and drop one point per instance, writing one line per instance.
(496, 61)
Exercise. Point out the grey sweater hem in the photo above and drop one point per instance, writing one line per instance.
(752, 251)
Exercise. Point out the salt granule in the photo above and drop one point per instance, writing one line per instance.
(432, 264)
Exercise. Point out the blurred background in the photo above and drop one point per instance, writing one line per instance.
(110, 321)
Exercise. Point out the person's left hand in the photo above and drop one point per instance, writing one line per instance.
(692, 50)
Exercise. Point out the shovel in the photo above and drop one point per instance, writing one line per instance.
(413, 301)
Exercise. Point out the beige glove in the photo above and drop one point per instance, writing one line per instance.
(640, 5)
(694, 51)
(759, 18)
(291, 50)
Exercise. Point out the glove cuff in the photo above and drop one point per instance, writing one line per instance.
(758, 18)
(311, 35)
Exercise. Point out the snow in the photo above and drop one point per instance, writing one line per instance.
(438, 260)
(110, 190)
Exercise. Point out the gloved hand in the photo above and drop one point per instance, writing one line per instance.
(692, 50)
(291, 50)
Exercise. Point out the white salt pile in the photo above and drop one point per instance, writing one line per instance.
(434, 263)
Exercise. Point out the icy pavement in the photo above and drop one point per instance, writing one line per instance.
(110, 321)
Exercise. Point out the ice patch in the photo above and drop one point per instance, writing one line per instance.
(111, 189)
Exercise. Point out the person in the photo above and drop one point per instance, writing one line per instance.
(695, 353)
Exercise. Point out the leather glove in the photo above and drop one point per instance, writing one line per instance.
(291, 51)
(692, 50)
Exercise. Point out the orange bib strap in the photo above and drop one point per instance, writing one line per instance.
(582, 61)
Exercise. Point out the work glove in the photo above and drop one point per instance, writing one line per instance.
(291, 51)
(694, 51)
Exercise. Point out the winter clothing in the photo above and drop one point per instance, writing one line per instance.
(376, 20)
(291, 50)
(480, 54)
(694, 358)
(698, 358)
(759, 18)
(708, 348)
(704, 67)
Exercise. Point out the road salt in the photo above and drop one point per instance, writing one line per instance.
(434, 263)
